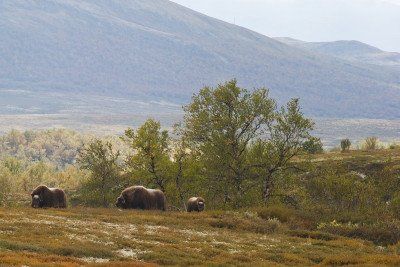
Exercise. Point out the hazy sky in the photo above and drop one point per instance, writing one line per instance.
(376, 22)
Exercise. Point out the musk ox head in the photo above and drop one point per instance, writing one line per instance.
(200, 204)
(196, 204)
(36, 201)
(121, 202)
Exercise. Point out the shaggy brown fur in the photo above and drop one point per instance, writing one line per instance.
(139, 197)
(44, 197)
(196, 204)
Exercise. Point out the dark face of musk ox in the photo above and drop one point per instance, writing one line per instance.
(36, 201)
(200, 205)
(121, 203)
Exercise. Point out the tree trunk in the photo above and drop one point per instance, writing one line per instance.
(268, 184)
(181, 197)
(178, 179)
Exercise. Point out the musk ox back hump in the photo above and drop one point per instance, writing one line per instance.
(60, 196)
(159, 200)
(139, 197)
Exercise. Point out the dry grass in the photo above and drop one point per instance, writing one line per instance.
(81, 236)
(378, 154)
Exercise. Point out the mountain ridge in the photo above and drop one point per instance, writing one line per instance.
(351, 50)
(160, 50)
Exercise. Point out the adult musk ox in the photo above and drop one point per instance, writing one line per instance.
(196, 204)
(139, 197)
(44, 197)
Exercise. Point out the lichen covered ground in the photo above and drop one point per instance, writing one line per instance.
(80, 236)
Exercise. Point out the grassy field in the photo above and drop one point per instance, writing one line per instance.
(80, 236)
(253, 237)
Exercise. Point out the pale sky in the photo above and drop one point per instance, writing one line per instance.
(376, 22)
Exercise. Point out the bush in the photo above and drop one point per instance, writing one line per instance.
(281, 213)
(395, 206)
(382, 233)
(394, 146)
(313, 235)
(371, 143)
(104, 183)
(345, 145)
(342, 192)
(313, 146)
(5, 185)
(293, 219)
(244, 221)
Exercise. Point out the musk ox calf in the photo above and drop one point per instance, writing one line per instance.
(139, 197)
(195, 204)
(44, 197)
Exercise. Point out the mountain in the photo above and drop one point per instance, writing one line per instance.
(139, 50)
(354, 51)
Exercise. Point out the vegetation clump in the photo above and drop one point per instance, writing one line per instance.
(371, 143)
(345, 145)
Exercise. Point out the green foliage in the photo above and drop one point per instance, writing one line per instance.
(394, 146)
(313, 145)
(381, 233)
(242, 139)
(150, 164)
(345, 145)
(220, 124)
(395, 205)
(104, 182)
(286, 136)
(6, 185)
(59, 147)
(342, 192)
(280, 212)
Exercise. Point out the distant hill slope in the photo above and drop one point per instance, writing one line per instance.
(349, 50)
(158, 50)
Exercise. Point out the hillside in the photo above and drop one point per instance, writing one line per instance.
(354, 51)
(64, 53)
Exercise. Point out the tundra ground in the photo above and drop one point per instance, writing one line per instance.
(80, 236)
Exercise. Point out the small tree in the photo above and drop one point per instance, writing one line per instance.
(242, 140)
(287, 134)
(150, 158)
(313, 145)
(180, 156)
(345, 145)
(220, 124)
(371, 143)
(186, 168)
(104, 181)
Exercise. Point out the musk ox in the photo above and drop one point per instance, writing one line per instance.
(196, 204)
(139, 197)
(44, 197)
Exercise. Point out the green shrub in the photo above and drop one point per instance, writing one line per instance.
(313, 146)
(283, 214)
(395, 206)
(345, 145)
(382, 233)
(394, 146)
(244, 221)
(313, 235)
